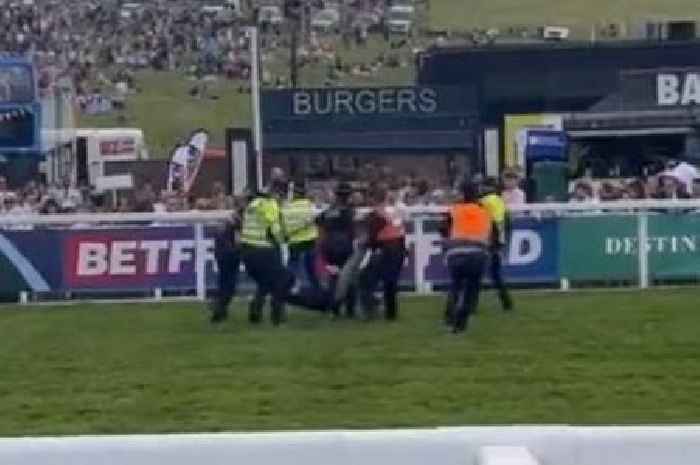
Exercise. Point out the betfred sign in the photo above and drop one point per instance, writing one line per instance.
(531, 256)
(134, 259)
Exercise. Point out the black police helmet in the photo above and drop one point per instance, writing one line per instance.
(470, 192)
(299, 189)
(489, 186)
(343, 190)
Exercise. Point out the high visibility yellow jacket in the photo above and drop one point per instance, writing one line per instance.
(262, 225)
(494, 204)
(299, 221)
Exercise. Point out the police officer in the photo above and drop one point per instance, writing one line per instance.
(301, 232)
(467, 232)
(226, 253)
(261, 242)
(386, 237)
(492, 201)
(338, 228)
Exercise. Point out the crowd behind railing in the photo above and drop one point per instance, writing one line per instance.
(36, 197)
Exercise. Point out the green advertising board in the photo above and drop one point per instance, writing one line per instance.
(674, 246)
(594, 248)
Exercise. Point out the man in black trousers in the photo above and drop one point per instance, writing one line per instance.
(386, 242)
(228, 261)
(467, 232)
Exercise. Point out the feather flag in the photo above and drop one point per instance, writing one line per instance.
(185, 161)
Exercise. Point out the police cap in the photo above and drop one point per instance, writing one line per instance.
(343, 190)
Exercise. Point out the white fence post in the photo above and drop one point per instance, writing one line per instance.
(642, 245)
(200, 261)
(418, 277)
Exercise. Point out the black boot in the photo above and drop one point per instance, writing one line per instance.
(506, 301)
(277, 314)
(219, 312)
(255, 311)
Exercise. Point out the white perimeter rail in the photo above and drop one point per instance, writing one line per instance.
(514, 445)
(641, 209)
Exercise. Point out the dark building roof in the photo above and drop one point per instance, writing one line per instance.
(553, 77)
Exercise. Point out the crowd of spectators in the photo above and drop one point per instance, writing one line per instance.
(99, 45)
(405, 191)
(38, 198)
(677, 181)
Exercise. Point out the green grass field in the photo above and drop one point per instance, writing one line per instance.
(587, 358)
(461, 14)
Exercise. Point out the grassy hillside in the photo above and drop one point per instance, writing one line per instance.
(463, 14)
(166, 112)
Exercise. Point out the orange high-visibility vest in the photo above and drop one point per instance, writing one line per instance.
(470, 223)
(393, 227)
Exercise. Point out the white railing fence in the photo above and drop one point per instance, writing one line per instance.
(563, 237)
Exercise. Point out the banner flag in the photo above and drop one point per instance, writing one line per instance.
(185, 161)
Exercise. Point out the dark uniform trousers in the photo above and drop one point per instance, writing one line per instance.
(466, 271)
(496, 270)
(229, 262)
(264, 265)
(301, 257)
(384, 266)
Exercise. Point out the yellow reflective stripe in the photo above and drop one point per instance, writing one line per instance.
(254, 232)
(299, 223)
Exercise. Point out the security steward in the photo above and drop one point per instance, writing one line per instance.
(299, 218)
(467, 231)
(496, 207)
(337, 224)
(386, 241)
(228, 261)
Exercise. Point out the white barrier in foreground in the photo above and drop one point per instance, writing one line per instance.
(547, 445)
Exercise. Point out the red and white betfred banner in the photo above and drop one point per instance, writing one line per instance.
(186, 160)
(133, 258)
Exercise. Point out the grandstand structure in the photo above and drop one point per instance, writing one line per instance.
(607, 96)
